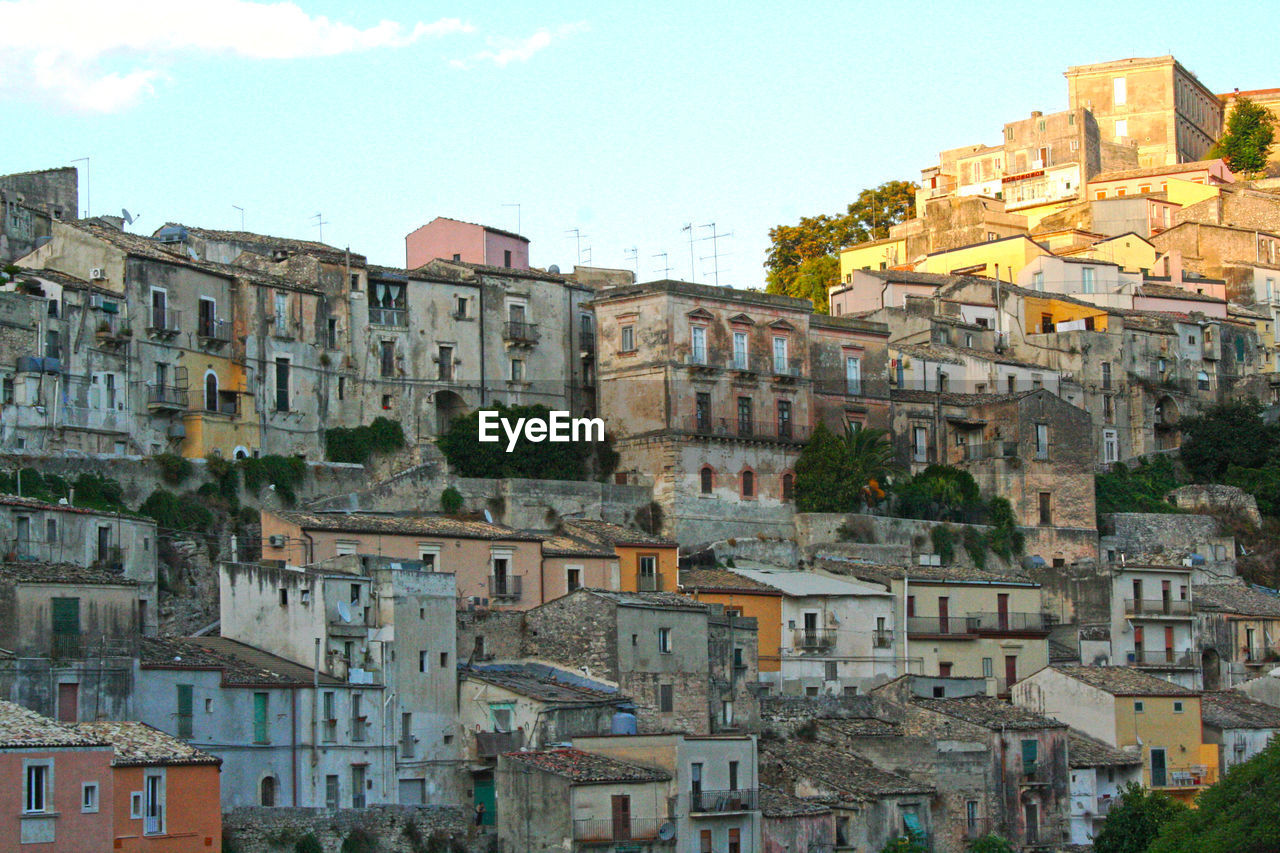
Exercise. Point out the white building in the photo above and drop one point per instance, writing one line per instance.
(1242, 727)
(1098, 773)
(1152, 623)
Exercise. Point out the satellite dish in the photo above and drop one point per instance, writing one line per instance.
(554, 269)
(128, 217)
(667, 831)
(488, 516)
(344, 611)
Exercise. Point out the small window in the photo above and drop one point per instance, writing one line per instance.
(706, 479)
(135, 805)
(748, 484)
(664, 640)
(1139, 706)
(424, 659)
(89, 797)
(628, 338)
(444, 660)
(284, 596)
(1177, 707)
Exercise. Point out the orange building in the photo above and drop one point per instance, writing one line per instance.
(745, 597)
(647, 563)
(166, 793)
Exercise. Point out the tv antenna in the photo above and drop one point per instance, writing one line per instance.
(714, 237)
(577, 235)
(633, 254)
(666, 268)
(587, 251)
(321, 222)
(88, 187)
(241, 209)
(693, 273)
(517, 207)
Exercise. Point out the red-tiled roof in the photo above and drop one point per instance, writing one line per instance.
(587, 768)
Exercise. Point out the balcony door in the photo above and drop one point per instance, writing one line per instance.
(1002, 611)
(621, 807)
(811, 629)
(1159, 768)
(944, 615)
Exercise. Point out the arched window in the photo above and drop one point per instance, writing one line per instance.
(211, 392)
(268, 797)
(708, 478)
(748, 483)
(788, 487)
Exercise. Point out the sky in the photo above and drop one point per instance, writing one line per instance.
(624, 121)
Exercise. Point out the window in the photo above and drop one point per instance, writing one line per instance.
(628, 338)
(784, 419)
(572, 578)
(699, 337)
(1202, 380)
(1122, 130)
(735, 840)
(1087, 279)
(329, 718)
(1046, 516)
(517, 370)
(444, 358)
(1139, 707)
(387, 358)
(358, 786)
(444, 659)
(185, 710)
(748, 483)
(506, 257)
(740, 361)
(704, 841)
(284, 596)
(1119, 92)
(1106, 376)
(988, 669)
(1030, 752)
(1177, 707)
(260, 722)
(89, 797)
(211, 392)
(153, 803)
(788, 487)
(36, 793)
(647, 573)
(1042, 441)
(666, 698)
(282, 384)
(424, 661)
(331, 793)
(971, 817)
(780, 360)
(706, 479)
(664, 640)
(460, 307)
(852, 375)
(702, 411)
(1110, 445)
(744, 416)
(920, 444)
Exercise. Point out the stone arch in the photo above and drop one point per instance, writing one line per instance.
(449, 405)
(1211, 669)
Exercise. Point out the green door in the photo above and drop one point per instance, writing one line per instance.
(1159, 772)
(66, 616)
(484, 796)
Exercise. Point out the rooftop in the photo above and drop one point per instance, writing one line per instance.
(587, 768)
(241, 665)
(1165, 291)
(32, 503)
(607, 533)
(1152, 171)
(542, 683)
(563, 545)
(705, 291)
(800, 583)
(288, 244)
(1123, 681)
(68, 573)
(661, 600)
(852, 727)
(850, 777)
(22, 728)
(989, 712)
(140, 745)
(1086, 751)
(776, 803)
(488, 228)
(1237, 597)
(722, 580)
(407, 525)
(1231, 709)
(881, 573)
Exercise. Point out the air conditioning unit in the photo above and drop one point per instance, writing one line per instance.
(97, 274)
(276, 540)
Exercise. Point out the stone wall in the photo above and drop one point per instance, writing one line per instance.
(397, 829)
(877, 538)
(1215, 498)
(1168, 538)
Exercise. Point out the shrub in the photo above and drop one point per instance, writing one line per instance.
(177, 512)
(470, 457)
(174, 469)
(944, 542)
(358, 444)
(451, 500)
(286, 473)
(360, 840)
(975, 545)
(308, 844)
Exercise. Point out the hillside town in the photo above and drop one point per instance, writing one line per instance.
(260, 592)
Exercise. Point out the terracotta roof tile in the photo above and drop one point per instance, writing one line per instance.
(722, 580)
(776, 803)
(1086, 751)
(850, 778)
(240, 664)
(68, 573)
(23, 728)
(408, 525)
(140, 745)
(1231, 709)
(614, 534)
(587, 768)
(1123, 681)
(1237, 597)
(989, 712)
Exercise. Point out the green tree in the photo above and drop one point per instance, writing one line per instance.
(1240, 814)
(1226, 434)
(991, 843)
(1140, 489)
(940, 493)
(803, 258)
(1247, 140)
(910, 843)
(545, 460)
(1135, 820)
(843, 473)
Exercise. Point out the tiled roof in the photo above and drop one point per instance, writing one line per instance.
(912, 277)
(140, 745)
(851, 777)
(23, 728)
(465, 270)
(928, 352)
(1123, 681)
(880, 573)
(1231, 709)
(543, 686)
(587, 768)
(722, 580)
(1165, 291)
(777, 803)
(1236, 597)
(904, 395)
(45, 506)
(1238, 310)
(408, 525)
(614, 534)
(68, 573)
(289, 244)
(989, 712)
(241, 665)
(563, 545)
(862, 727)
(662, 600)
(1151, 171)
(1086, 751)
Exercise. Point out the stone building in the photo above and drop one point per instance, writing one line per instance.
(710, 393)
(789, 823)
(1237, 632)
(30, 202)
(1239, 725)
(1152, 621)
(1154, 103)
(287, 734)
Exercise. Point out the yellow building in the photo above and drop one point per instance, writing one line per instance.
(1043, 313)
(221, 418)
(1183, 192)
(1008, 255)
(1123, 706)
(873, 255)
(1131, 252)
(646, 563)
(744, 597)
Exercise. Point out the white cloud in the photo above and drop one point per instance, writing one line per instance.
(100, 56)
(503, 51)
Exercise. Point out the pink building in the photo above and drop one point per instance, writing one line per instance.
(1155, 179)
(55, 784)
(454, 240)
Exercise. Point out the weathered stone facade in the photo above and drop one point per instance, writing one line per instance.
(397, 829)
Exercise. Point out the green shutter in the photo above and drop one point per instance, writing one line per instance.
(1029, 753)
(260, 718)
(66, 616)
(184, 710)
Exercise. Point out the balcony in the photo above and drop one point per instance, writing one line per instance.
(1103, 807)
(1157, 607)
(586, 342)
(489, 745)
(519, 332)
(1185, 776)
(882, 639)
(213, 333)
(613, 831)
(649, 583)
(723, 802)
(395, 317)
(788, 369)
(166, 397)
(786, 431)
(164, 321)
(504, 586)
(990, 450)
(814, 639)
(1163, 659)
(113, 330)
(951, 626)
(741, 362)
(1009, 623)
